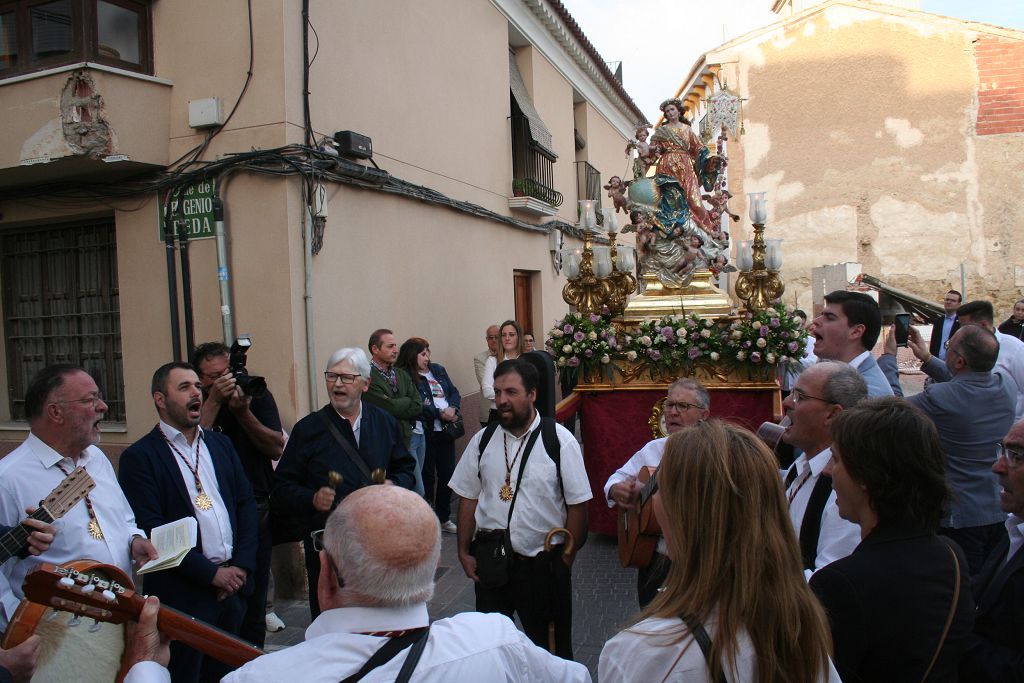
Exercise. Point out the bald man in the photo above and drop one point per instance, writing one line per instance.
(378, 556)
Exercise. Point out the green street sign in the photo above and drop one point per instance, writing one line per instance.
(196, 209)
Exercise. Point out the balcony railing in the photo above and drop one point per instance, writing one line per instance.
(532, 166)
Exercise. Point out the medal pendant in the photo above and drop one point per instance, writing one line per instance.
(505, 492)
(94, 529)
(203, 502)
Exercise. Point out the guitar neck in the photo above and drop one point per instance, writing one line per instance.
(209, 640)
(16, 540)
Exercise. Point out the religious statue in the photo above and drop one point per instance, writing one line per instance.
(643, 159)
(617, 193)
(681, 158)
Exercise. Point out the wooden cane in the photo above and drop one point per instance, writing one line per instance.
(570, 545)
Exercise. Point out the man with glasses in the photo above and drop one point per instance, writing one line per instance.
(687, 402)
(344, 446)
(486, 404)
(64, 408)
(972, 411)
(995, 651)
(945, 325)
(821, 392)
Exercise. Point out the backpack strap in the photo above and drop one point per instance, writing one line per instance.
(554, 449)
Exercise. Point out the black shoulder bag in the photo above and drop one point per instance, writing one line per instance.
(493, 552)
(351, 452)
(703, 641)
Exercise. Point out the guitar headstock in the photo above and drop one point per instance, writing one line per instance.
(84, 593)
(72, 489)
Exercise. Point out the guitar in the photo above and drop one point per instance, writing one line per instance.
(90, 594)
(638, 528)
(72, 489)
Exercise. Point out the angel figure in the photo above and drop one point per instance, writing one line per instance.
(645, 155)
(617, 193)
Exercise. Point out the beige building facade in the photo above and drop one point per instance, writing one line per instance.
(884, 136)
(450, 232)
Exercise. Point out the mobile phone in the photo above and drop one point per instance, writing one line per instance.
(902, 328)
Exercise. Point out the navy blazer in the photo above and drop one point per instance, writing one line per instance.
(152, 483)
(888, 602)
(312, 452)
(995, 651)
(430, 413)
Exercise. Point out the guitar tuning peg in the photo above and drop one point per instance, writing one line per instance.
(89, 588)
(95, 626)
(74, 621)
(51, 615)
(109, 596)
(67, 582)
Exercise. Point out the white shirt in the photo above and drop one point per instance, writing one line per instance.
(215, 523)
(437, 393)
(837, 537)
(467, 647)
(645, 652)
(479, 364)
(1015, 530)
(539, 507)
(487, 384)
(648, 456)
(1010, 364)
(27, 475)
(947, 325)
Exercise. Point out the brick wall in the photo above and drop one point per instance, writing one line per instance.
(1001, 85)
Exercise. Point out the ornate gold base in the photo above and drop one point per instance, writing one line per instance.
(701, 296)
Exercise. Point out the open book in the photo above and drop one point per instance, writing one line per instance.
(172, 541)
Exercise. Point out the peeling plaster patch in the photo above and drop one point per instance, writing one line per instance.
(47, 142)
(914, 240)
(828, 235)
(778, 191)
(756, 144)
(81, 111)
(905, 134)
(841, 137)
(949, 173)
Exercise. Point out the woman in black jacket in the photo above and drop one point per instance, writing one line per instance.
(1014, 325)
(900, 605)
(441, 405)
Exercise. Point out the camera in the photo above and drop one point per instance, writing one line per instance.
(251, 385)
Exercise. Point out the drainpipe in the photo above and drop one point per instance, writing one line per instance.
(186, 287)
(172, 280)
(223, 279)
(307, 296)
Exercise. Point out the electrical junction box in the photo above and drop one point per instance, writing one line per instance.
(353, 145)
(205, 113)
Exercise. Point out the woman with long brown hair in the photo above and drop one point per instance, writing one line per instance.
(510, 345)
(735, 605)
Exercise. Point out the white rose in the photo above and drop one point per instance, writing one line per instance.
(606, 360)
(740, 355)
(736, 334)
(561, 362)
(592, 336)
(556, 333)
(645, 340)
(714, 355)
(770, 358)
(705, 333)
(761, 343)
(681, 333)
(567, 349)
(631, 355)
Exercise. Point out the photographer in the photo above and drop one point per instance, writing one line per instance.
(241, 407)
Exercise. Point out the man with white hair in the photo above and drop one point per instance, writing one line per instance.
(344, 446)
(378, 556)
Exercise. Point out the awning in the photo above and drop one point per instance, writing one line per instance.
(538, 131)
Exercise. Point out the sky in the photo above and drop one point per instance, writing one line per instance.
(655, 63)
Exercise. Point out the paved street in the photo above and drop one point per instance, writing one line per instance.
(605, 598)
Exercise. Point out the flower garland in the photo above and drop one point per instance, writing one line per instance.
(770, 337)
(675, 342)
(580, 342)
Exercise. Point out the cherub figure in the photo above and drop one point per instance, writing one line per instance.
(617, 193)
(641, 225)
(721, 265)
(719, 202)
(645, 154)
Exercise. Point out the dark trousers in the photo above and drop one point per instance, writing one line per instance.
(254, 624)
(539, 591)
(650, 578)
(439, 464)
(977, 542)
(188, 665)
(312, 559)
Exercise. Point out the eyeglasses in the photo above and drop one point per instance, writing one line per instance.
(333, 377)
(803, 396)
(317, 537)
(492, 337)
(681, 406)
(1013, 457)
(91, 400)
